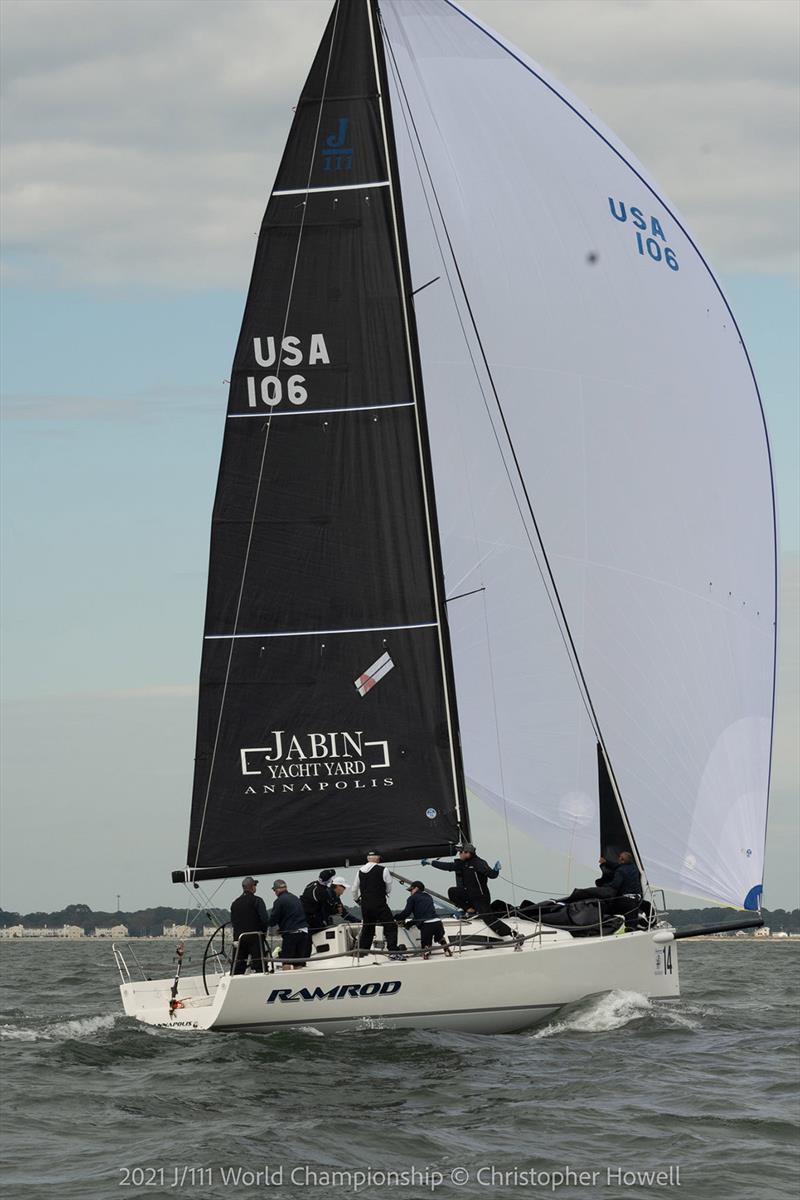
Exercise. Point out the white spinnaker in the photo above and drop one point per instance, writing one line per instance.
(639, 434)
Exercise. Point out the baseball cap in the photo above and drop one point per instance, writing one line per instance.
(248, 879)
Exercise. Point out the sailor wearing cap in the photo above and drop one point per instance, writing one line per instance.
(421, 911)
(371, 889)
(249, 917)
(287, 913)
(319, 902)
(339, 886)
(472, 887)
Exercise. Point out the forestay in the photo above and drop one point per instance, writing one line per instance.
(575, 319)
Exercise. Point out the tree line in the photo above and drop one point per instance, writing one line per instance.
(146, 922)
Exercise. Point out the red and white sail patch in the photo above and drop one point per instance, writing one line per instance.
(373, 674)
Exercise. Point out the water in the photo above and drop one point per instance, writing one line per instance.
(98, 1106)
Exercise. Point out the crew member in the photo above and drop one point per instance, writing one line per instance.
(287, 913)
(339, 886)
(472, 888)
(371, 889)
(622, 880)
(319, 902)
(607, 870)
(421, 911)
(249, 917)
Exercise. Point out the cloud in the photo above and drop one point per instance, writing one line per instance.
(141, 140)
(139, 407)
(163, 691)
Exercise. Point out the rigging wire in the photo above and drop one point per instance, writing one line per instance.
(550, 588)
(543, 562)
(266, 439)
(202, 901)
(499, 746)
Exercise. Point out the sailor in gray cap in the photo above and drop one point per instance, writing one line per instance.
(471, 891)
(287, 913)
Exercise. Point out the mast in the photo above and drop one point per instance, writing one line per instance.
(412, 342)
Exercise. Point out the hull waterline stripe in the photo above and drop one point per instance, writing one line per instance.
(439, 1012)
(312, 412)
(214, 637)
(345, 187)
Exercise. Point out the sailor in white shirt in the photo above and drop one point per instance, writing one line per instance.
(371, 888)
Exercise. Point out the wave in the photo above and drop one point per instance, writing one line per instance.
(78, 1028)
(611, 1010)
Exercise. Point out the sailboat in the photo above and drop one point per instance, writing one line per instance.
(494, 525)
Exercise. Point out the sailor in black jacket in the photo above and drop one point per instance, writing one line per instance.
(319, 901)
(249, 917)
(622, 880)
(421, 911)
(472, 889)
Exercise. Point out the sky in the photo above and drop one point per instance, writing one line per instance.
(139, 145)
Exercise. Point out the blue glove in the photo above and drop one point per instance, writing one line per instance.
(425, 862)
(497, 866)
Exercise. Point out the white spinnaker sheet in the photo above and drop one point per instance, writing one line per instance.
(640, 438)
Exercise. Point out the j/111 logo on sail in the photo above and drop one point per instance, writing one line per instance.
(336, 156)
(289, 351)
(651, 246)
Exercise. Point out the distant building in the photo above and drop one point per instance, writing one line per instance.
(764, 931)
(781, 934)
(47, 931)
(115, 931)
(178, 931)
(208, 930)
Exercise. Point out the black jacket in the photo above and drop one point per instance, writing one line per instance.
(372, 891)
(248, 914)
(626, 880)
(606, 875)
(287, 913)
(419, 908)
(319, 904)
(472, 874)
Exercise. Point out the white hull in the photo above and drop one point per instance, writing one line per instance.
(497, 990)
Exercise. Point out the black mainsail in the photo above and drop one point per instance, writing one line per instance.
(327, 719)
